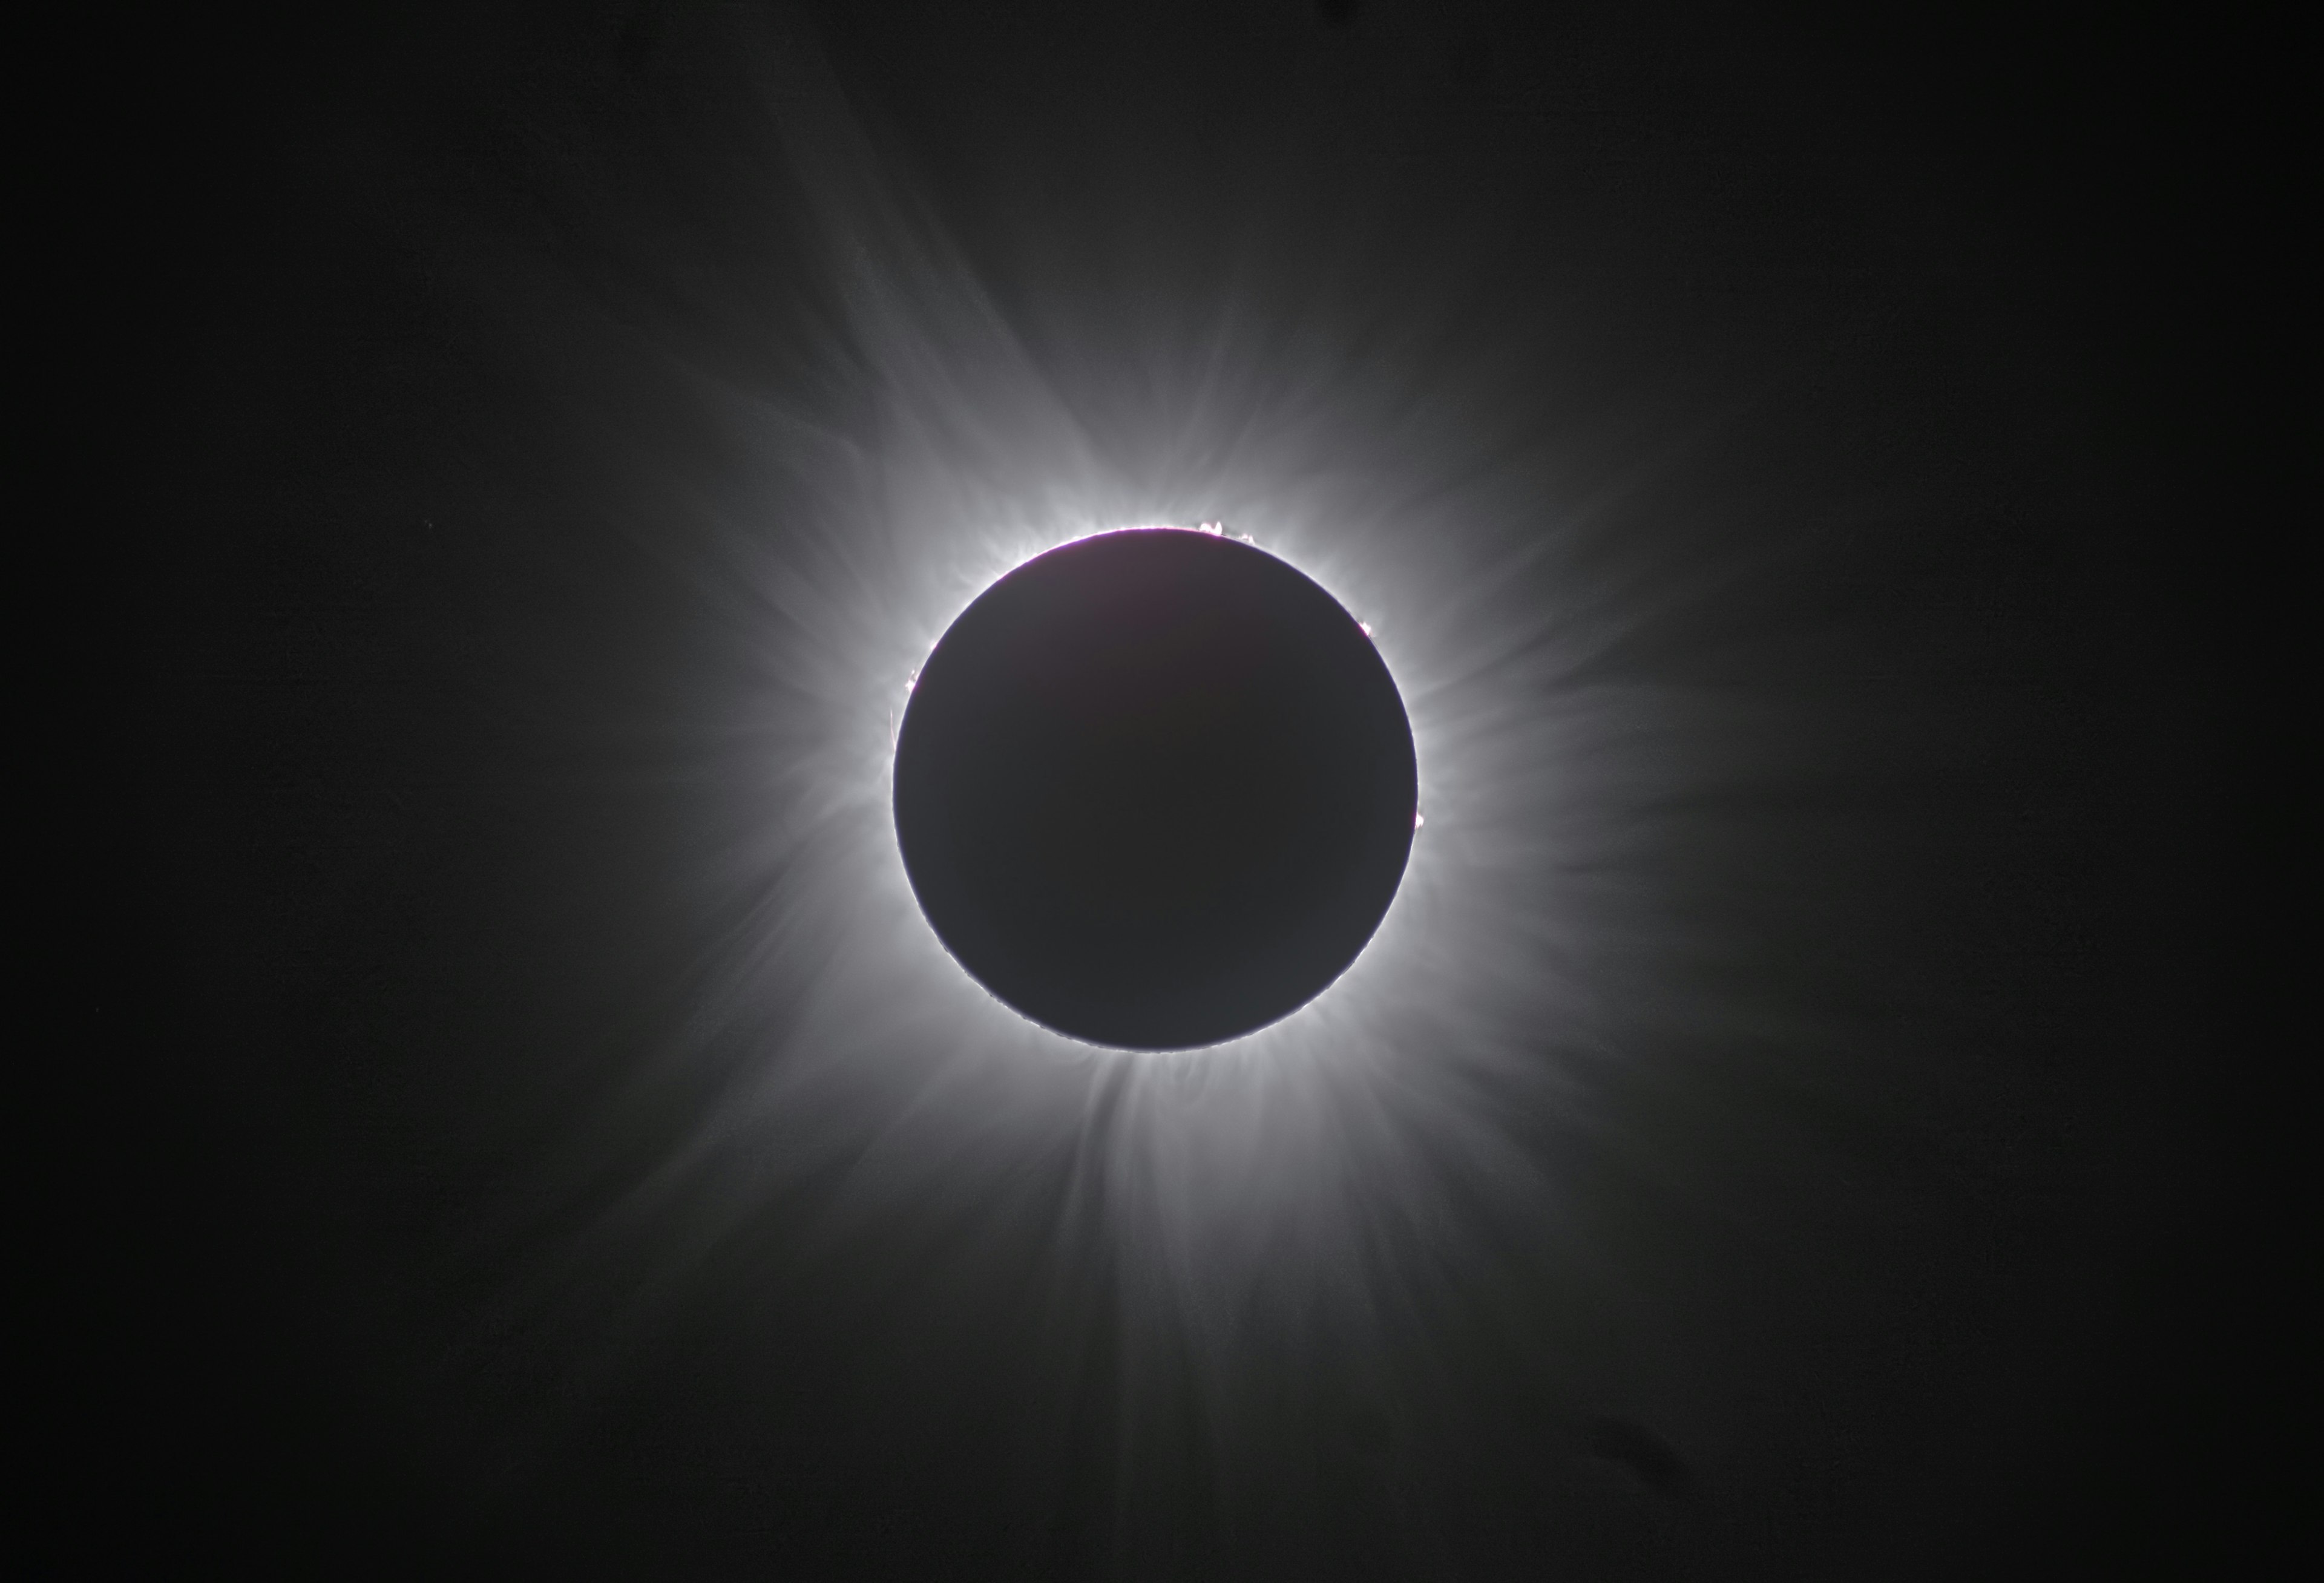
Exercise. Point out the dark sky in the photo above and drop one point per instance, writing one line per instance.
(1857, 388)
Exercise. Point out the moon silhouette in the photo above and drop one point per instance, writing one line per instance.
(1155, 789)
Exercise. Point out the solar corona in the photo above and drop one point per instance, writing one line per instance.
(743, 939)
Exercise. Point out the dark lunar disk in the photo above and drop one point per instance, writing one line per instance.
(1155, 789)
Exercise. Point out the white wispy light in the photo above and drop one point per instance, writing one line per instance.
(1732, 1070)
(1312, 1174)
(1291, 1149)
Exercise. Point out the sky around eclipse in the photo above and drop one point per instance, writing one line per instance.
(1767, 1054)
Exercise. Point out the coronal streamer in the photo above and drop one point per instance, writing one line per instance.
(1298, 1193)
(1598, 1062)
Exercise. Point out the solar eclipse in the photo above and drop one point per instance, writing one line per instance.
(643, 1089)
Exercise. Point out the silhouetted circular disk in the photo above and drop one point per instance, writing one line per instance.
(1155, 789)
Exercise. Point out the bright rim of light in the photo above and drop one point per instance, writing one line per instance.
(1261, 1042)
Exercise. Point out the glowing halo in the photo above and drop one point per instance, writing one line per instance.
(1782, 1051)
(1363, 985)
(980, 466)
(1316, 1179)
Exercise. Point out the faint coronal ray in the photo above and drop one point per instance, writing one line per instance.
(1316, 1190)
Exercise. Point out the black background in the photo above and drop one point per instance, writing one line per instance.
(394, 929)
